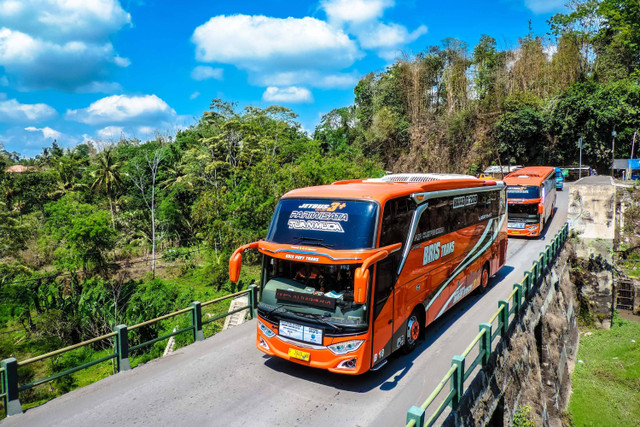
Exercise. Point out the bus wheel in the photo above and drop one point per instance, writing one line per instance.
(414, 330)
(484, 279)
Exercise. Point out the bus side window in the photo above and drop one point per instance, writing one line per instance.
(396, 221)
(433, 221)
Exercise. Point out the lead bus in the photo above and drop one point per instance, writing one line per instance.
(531, 197)
(356, 270)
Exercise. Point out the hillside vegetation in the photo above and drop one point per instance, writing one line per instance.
(101, 235)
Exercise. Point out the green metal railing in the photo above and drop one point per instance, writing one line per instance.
(508, 311)
(10, 389)
(3, 389)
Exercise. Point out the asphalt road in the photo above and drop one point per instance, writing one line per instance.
(226, 381)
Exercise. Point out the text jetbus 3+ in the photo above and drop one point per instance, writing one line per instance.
(356, 270)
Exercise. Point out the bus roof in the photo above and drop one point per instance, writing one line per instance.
(531, 175)
(389, 187)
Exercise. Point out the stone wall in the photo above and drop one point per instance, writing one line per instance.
(531, 365)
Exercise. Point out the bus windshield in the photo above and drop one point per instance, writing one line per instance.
(528, 212)
(523, 192)
(341, 224)
(313, 290)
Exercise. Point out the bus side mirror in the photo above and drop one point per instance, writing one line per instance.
(235, 262)
(540, 208)
(360, 285)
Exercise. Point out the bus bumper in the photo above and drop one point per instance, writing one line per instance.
(533, 230)
(316, 356)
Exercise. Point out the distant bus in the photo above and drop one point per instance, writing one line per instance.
(531, 198)
(559, 179)
(356, 270)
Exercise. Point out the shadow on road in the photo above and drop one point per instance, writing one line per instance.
(398, 364)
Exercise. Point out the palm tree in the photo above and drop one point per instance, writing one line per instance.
(107, 178)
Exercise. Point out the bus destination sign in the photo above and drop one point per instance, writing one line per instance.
(305, 298)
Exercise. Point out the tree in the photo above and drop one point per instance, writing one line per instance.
(145, 179)
(107, 178)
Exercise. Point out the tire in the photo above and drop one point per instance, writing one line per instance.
(484, 279)
(413, 332)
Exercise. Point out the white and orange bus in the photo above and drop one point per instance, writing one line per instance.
(356, 270)
(531, 198)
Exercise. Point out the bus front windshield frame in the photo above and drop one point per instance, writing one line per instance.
(313, 291)
(328, 223)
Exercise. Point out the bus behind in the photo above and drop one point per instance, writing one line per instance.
(531, 197)
(356, 270)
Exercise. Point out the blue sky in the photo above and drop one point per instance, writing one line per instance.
(99, 70)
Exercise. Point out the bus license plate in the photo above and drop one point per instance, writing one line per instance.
(519, 225)
(301, 355)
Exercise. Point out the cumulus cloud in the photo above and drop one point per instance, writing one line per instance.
(202, 72)
(60, 44)
(194, 95)
(47, 132)
(544, 6)
(260, 43)
(123, 109)
(389, 36)
(308, 77)
(355, 11)
(111, 133)
(290, 94)
(13, 111)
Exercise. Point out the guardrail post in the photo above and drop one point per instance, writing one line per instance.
(485, 342)
(196, 321)
(527, 282)
(547, 254)
(503, 317)
(517, 298)
(457, 381)
(122, 347)
(10, 366)
(253, 300)
(415, 413)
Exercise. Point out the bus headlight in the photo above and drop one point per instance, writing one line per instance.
(345, 347)
(268, 332)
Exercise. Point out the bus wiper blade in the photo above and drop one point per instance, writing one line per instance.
(322, 320)
(312, 241)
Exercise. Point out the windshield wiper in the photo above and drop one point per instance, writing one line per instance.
(312, 241)
(319, 318)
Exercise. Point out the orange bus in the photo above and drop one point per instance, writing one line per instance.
(531, 197)
(356, 270)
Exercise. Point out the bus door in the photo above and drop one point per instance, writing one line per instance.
(383, 313)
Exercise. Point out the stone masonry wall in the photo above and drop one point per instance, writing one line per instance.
(531, 365)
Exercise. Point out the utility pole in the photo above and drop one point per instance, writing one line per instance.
(580, 158)
(613, 150)
(633, 144)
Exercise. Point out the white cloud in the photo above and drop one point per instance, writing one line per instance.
(544, 6)
(202, 72)
(309, 78)
(64, 20)
(13, 111)
(123, 109)
(194, 95)
(550, 50)
(355, 11)
(259, 43)
(60, 44)
(389, 36)
(111, 133)
(290, 94)
(47, 132)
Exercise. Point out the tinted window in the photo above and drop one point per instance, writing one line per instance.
(341, 224)
(448, 214)
(396, 221)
